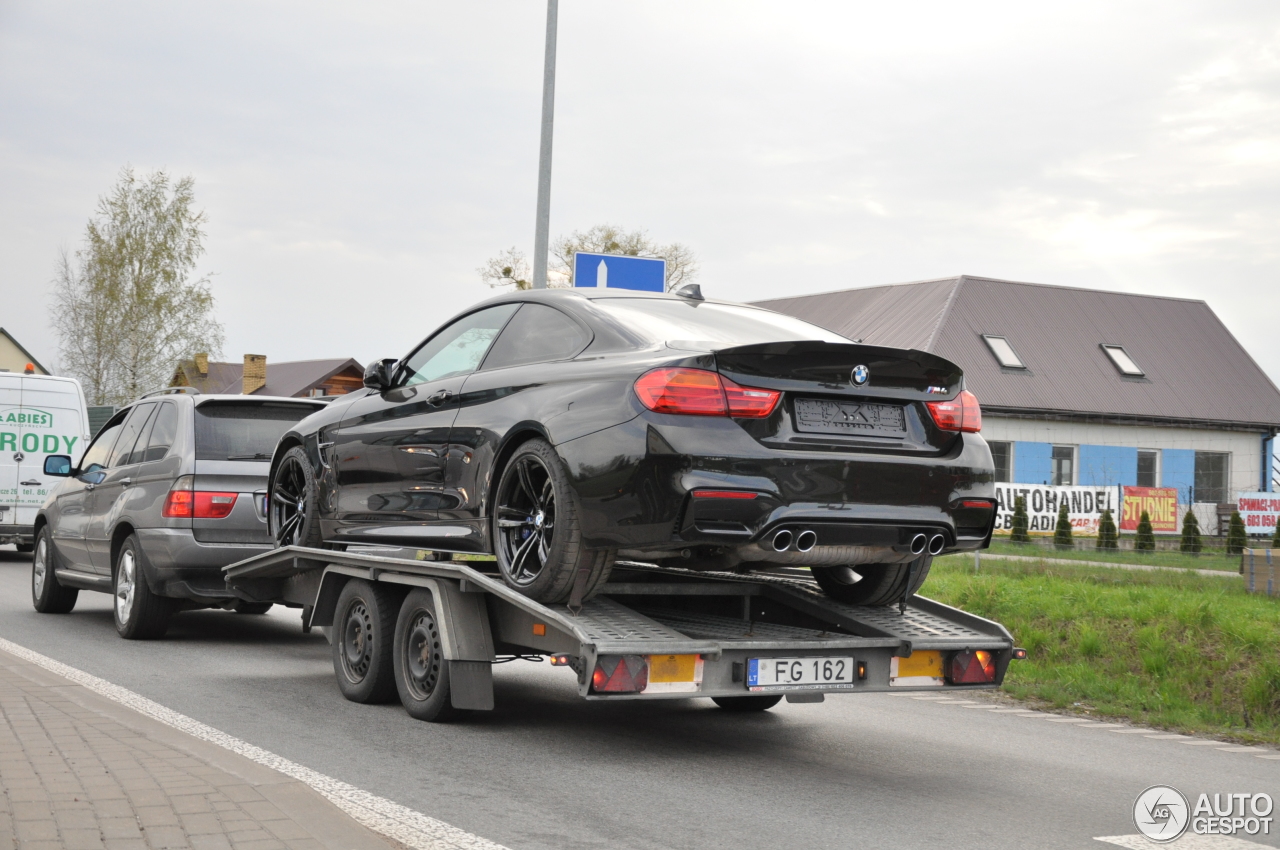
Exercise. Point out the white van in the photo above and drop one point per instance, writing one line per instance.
(40, 415)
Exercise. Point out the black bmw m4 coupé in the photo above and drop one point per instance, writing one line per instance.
(562, 429)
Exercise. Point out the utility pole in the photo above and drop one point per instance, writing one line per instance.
(542, 232)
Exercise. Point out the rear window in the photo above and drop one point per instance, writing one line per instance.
(243, 431)
(702, 323)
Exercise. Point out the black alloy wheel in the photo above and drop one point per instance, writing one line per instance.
(537, 536)
(293, 512)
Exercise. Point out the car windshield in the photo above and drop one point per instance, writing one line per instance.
(703, 324)
(244, 430)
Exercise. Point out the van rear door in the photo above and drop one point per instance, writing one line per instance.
(10, 399)
(52, 421)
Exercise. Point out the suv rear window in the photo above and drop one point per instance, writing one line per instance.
(243, 430)
(708, 323)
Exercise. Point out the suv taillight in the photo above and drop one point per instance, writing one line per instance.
(697, 392)
(184, 502)
(962, 413)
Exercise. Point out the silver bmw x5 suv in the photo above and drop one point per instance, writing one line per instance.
(170, 491)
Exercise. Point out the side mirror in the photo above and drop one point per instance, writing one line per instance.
(377, 375)
(58, 466)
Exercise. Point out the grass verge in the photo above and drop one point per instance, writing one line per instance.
(1205, 561)
(1168, 649)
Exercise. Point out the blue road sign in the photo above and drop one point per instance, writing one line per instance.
(619, 272)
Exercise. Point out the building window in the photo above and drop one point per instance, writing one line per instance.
(1148, 468)
(1122, 361)
(1004, 353)
(1064, 465)
(1211, 476)
(1002, 454)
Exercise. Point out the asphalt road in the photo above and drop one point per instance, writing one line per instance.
(546, 771)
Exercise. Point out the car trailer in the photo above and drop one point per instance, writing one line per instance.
(744, 640)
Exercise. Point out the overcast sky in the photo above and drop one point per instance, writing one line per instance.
(358, 161)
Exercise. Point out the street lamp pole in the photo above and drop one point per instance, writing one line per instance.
(542, 233)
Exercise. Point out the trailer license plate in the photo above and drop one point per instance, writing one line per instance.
(765, 673)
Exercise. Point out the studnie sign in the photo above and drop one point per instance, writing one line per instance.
(1084, 506)
(1160, 503)
(1259, 511)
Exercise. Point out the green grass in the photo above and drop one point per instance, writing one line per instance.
(1168, 649)
(1215, 560)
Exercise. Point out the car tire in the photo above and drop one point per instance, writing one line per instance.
(747, 703)
(363, 631)
(244, 607)
(294, 509)
(48, 595)
(537, 532)
(140, 614)
(881, 584)
(421, 671)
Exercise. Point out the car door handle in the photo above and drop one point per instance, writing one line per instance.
(125, 482)
(31, 483)
(439, 397)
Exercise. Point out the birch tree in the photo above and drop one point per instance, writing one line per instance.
(511, 268)
(126, 307)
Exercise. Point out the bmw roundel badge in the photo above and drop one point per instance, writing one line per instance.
(859, 376)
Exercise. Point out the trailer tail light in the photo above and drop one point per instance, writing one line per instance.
(620, 674)
(962, 413)
(697, 392)
(184, 502)
(972, 667)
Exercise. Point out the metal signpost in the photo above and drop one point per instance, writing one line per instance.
(542, 231)
(617, 271)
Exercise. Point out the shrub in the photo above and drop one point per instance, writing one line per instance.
(1107, 537)
(1146, 540)
(1275, 541)
(1062, 533)
(1191, 533)
(1236, 538)
(1019, 532)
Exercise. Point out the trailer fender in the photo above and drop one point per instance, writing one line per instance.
(332, 581)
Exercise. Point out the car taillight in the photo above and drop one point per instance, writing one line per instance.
(973, 667)
(724, 494)
(697, 392)
(620, 674)
(962, 413)
(183, 502)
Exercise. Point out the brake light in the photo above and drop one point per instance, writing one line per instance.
(697, 392)
(620, 674)
(183, 502)
(962, 413)
(973, 667)
(723, 494)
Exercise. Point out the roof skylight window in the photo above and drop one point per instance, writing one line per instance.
(1004, 353)
(1123, 361)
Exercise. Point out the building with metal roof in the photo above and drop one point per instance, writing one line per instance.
(1081, 386)
(297, 378)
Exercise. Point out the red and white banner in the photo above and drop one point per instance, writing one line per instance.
(1160, 503)
(1259, 511)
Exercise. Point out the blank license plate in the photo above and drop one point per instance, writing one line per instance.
(765, 673)
(822, 416)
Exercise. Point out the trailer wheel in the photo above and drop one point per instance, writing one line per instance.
(747, 703)
(537, 534)
(881, 584)
(294, 514)
(363, 628)
(422, 673)
(48, 595)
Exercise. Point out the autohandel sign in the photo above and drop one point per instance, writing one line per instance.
(1259, 511)
(1084, 506)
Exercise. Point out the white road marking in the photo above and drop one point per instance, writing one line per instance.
(1241, 749)
(1277, 756)
(377, 813)
(1166, 737)
(1067, 720)
(1189, 841)
(1199, 743)
(1133, 731)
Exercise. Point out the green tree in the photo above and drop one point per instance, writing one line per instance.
(1191, 541)
(1062, 532)
(1146, 538)
(126, 308)
(1275, 540)
(1107, 538)
(1019, 531)
(1236, 537)
(511, 267)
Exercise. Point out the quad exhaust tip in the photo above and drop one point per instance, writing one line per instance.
(806, 540)
(782, 540)
(936, 543)
(918, 543)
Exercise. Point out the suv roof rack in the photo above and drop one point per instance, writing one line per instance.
(171, 391)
